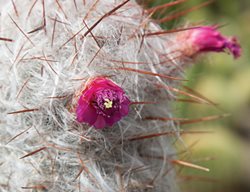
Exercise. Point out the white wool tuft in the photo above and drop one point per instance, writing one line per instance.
(46, 68)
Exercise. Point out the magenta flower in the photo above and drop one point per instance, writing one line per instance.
(207, 38)
(102, 103)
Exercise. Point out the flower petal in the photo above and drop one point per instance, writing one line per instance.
(115, 118)
(82, 106)
(234, 47)
(100, 122)
(124, 109)
(86, 114)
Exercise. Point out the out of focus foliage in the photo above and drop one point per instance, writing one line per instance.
(225, 81)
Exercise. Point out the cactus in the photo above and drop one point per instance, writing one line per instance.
(50, 53)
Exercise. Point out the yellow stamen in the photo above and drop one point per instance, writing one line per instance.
(108, 104)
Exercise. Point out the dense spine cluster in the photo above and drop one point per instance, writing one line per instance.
(64, 65)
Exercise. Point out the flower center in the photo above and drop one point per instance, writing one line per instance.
(108, 104)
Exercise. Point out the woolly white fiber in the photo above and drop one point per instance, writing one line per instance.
(53, 47)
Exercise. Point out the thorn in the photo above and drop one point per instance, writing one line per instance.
(182, 13)
(97, 22)
(19, 52)
(44, 17)
(190, 165)
(146, 63)
(75, 4)
(74, 58)
(15, 9)
(104, 16)
(208, 118)
(79, 79)
(13, 138)
(47, 61)
(140, 168)
(36, 187)
(183, 121)
(42, 70)
(217, 26)
(59, 147)
(164, 118)
(190, 101)
(41, 58)
(142, 102)
(23, 111)
(33, 152)
(6, 39)
(120, 35)
(169, 31)
(201, 96)
(79, 173)
(21, 31)
(167, 133)
(120, 180)
(82, 137)
(71, 37)
(57, 97)
(59, 21)
(19, 92)
(94, 56)
(147, 73)
(32, 6)
(90, 9)
(178, 162)
(60, 7)
(130, 62)
(169, 88)
(85, 168)
(164, 6)
(142, 41)
(91, 34)
(53, 31)
(189, 147)
(36, 29)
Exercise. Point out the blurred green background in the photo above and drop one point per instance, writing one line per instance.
(226, 81)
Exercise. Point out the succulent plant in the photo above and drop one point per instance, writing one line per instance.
(86, 88)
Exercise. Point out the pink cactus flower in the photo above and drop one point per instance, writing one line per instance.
(207, 38)
(102, 103)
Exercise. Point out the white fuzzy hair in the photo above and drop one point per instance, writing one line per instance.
(41, 74)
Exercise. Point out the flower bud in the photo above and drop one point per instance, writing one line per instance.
(207, 39)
